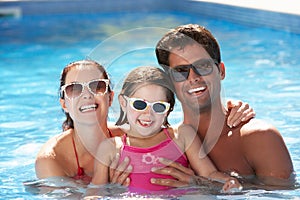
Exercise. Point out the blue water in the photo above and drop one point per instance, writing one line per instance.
(263, 69)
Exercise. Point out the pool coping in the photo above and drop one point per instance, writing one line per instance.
(231, 10)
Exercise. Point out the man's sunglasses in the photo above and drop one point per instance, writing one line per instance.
(137, 104)
(202, 67)
(75, 90)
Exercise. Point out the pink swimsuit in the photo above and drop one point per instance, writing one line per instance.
(143, 159)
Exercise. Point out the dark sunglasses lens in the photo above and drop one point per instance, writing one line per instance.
(203, 67)
(139, 104)
(98, 87)
(159, 107)
(180, 73)
(73, 90)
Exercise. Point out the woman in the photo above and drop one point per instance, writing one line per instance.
(85, 97)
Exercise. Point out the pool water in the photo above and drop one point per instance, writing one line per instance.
(263, 69)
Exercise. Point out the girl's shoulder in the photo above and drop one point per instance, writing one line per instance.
(186, 131)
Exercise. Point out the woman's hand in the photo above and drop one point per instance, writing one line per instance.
(183, 176)
(238, 112)
(118, 173)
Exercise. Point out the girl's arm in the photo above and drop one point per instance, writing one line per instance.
(200, 162)
(103, 159)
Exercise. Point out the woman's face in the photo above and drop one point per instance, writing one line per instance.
(86, 108)
(144, 123)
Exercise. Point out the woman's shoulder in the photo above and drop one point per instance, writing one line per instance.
(52, 159)
(56, 145)
(117, 130)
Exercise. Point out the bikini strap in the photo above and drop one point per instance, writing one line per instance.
(167, 133)
(79, 169)
(124, 139)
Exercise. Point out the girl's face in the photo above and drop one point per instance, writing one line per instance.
(145, 123)
(86, 108)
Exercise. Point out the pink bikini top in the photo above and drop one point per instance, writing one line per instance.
(143, 159)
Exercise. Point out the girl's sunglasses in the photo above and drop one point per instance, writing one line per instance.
(159, 107)
(75, 90)
(202, 67)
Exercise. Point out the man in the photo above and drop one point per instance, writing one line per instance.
(253, 149)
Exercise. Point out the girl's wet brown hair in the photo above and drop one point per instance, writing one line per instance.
(140, 77)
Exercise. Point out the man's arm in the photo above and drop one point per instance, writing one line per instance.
(184, 176)
(267, 153)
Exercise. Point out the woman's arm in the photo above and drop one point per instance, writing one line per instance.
(119, 172)
(238, 112)
(47, 163)
(47, 166)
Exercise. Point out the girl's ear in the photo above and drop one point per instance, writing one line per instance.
(122, 102)
(63, 105)
(222, 70)
(111, 97)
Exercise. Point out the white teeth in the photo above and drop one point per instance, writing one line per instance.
(196, 89)
(145, 123)
(88, 107)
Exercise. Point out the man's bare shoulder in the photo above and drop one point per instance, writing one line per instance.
(257, 128)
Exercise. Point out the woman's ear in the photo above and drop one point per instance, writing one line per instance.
(63, 105)
(122, 102)
(222, 70)
(111, 97)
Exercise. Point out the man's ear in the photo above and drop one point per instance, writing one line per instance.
(222, 70)
(122, 102)
(111, 97)
(63, 105)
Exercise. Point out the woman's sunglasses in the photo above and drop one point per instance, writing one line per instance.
(137, 104)
(75, 90)
(201, 67)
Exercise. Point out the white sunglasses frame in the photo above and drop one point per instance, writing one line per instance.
(85, 84)
(131, 101)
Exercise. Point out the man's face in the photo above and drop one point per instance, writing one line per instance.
(196, 92)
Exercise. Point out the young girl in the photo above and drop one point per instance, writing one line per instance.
(146, 100)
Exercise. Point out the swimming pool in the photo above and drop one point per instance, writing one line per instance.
(262, 69)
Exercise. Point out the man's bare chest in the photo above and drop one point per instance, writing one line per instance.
(228, 156)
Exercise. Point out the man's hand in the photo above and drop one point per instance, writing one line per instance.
(118, 174)
(182, 174)
(239, 112)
